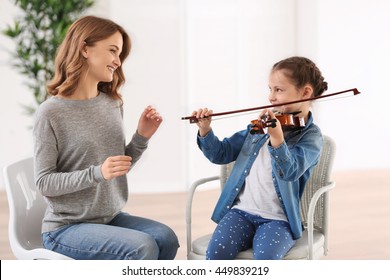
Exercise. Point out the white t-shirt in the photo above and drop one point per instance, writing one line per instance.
(259, 195)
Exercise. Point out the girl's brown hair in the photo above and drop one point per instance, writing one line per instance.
(69, 62)
(302, 71)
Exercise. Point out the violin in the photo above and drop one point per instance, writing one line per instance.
(288, 122)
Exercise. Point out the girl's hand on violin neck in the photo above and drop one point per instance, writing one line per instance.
(204, 122)
(149, 122)
(275, 133)
(115, 166)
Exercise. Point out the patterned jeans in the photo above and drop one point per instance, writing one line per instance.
(239, 231)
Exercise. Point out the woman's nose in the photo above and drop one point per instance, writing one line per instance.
(117, 61)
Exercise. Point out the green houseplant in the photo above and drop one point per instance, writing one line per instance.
(37, 33)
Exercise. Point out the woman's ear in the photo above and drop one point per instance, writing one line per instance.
(84, 50)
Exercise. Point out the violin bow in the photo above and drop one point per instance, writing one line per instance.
(194, 119)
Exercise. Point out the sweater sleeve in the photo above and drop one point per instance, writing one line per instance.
(48, 180)
(136, 147)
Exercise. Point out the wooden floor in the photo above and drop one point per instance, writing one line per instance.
(359, 218)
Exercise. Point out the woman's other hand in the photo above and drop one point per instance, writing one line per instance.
(149, 122)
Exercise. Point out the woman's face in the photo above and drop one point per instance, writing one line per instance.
(103, 58)
(282, 90)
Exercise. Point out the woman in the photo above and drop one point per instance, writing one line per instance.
(80, 155)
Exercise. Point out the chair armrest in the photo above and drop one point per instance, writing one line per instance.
(310, 215)
(190, 196)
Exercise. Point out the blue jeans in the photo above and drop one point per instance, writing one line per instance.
(126, 237)
(239, 231)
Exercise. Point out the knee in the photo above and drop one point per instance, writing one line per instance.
(148, 250)
(168, 243)
(171, 239)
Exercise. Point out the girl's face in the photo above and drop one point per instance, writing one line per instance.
(103, 58)
(282, 90)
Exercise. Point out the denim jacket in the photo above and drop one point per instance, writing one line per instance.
(292, 163)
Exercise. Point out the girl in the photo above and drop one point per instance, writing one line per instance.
(259, 205)
(80, 155)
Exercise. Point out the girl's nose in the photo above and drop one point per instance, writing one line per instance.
(271, 96)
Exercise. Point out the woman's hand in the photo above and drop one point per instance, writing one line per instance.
(149, 122)
(116, 166)
(275, 133)
(204, 122)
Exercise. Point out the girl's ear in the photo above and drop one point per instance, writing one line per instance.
(307, 91)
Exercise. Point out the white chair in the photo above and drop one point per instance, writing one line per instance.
(26, 210)
(314, 211)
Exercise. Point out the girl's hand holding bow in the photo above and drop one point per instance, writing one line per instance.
(204, 121)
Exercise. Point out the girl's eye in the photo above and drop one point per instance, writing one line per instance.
(113, 51)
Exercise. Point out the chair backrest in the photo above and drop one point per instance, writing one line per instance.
(225, 172)
(26, 206)
(319, 178)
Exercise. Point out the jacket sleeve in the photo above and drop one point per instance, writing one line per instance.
(290, 163)
(221, 152)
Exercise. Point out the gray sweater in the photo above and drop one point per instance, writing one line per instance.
(72, 139)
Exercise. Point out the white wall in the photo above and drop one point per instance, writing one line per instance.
(197, 53)
(353, 49)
